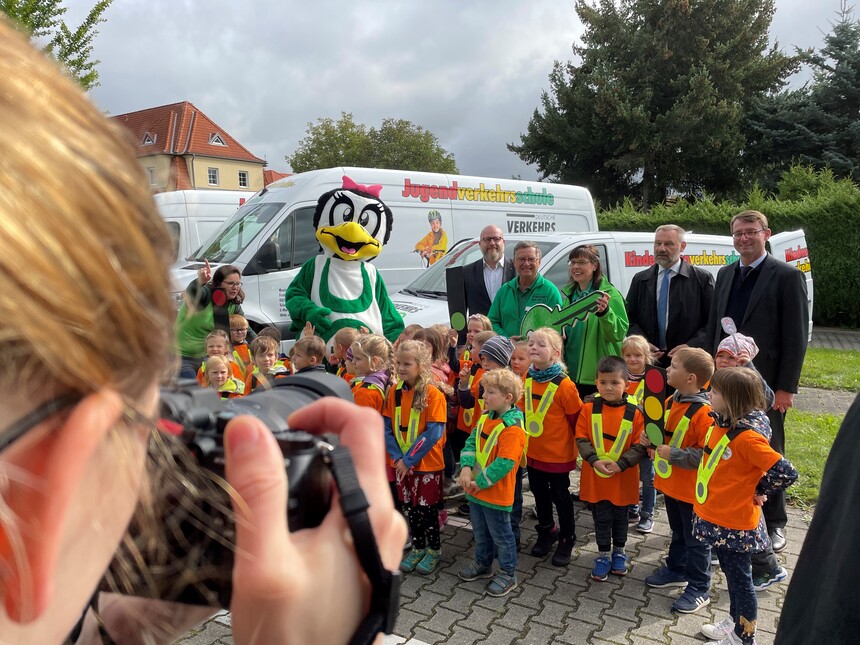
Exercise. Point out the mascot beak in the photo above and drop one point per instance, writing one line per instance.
(349, 241)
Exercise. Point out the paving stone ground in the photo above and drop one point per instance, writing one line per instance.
(555, 605)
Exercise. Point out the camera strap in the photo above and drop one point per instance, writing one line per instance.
(385, 584)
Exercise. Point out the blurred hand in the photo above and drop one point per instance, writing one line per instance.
(782, 400)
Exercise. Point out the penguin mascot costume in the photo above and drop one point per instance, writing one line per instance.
(340, 288)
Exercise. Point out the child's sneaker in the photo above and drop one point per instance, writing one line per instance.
(645, 525)
(619, 564)
(473, 571)
(733, 639)
(600, 572)
(665, 577)
(408, 564)
(502, 585)
(762, 582)
(429, 562)
(691, 601)
(718, 631)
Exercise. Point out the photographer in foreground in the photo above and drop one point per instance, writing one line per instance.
(84, 342)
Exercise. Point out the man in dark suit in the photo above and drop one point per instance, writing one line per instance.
(483, 277)
(767, 300)
(685, 300)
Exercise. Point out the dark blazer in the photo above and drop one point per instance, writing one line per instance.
(777, 318)
(690, 295)
(477, 299)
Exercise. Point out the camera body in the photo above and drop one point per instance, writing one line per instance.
(193, 563)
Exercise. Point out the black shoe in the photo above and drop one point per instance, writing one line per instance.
(777, 539)
(546, 538)
(561, 558)
(463, 509)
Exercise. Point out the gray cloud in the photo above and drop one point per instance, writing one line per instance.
(472, 73)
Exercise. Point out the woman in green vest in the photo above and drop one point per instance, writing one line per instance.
(601, 334)
(204, 310)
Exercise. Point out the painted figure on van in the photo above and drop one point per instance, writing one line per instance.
(435, 244)
(341, 288)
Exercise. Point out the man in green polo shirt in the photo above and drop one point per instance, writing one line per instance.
(529, 288)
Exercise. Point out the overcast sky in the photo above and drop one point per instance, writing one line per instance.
(470, 72)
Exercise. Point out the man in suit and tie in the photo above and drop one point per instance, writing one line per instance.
(669, 303)
(767, 300)
(483, 277)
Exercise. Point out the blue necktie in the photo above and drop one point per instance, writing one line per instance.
(663, 308)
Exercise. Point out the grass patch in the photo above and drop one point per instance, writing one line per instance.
(808, 438)
(831, 369)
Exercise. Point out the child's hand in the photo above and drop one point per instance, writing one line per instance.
(364, 330)
(402, 469)
(651, 453)
(663, 451)
(472, 488)
(758, 500)
(309, 329)
(464, 376)
(742, 358)
(453, 337)
(613, 468)
(465, 477)
(603, 466)
(645, 441)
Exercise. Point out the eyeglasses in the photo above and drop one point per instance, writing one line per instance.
(492, 239)
(526, 260)
(243, 330)
(741, 234)
(579, 263)
(231, 283)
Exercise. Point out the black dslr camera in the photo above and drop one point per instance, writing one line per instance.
(193, 561)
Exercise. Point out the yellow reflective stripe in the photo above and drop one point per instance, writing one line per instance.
(534, 418)
(662, 467)
(614, 452)
(405, 442)
(482, 454)
(708, 465)
(638, 394)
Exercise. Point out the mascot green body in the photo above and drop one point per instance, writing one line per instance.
(341, 288)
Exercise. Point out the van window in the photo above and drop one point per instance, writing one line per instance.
(558, 273)
(293, 242)
(173, 231)
(238, 233)
(307, 245)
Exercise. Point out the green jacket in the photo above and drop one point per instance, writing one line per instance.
(194, 324)
(600, 336)
(510, 304)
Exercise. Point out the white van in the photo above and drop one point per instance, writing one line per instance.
(622, 255)
(270, 237)
(193, 215)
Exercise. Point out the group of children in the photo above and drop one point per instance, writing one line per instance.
(503, 409)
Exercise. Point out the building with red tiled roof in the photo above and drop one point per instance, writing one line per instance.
(181, 148)
(273, 175)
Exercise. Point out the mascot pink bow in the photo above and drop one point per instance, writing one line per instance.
(349, 184)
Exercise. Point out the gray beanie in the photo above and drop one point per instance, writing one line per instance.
(499, 348)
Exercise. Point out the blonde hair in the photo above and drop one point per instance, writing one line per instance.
(505, 381)
(345, 336)
(482, 337)
(481, 318)
(640, 344)
(696, 361)
(219, 333)
(741, 390)
(373, 346)
(216, 361)
(407, 334)
(312, 346)
(433, 338)
(420, 353)
(263, 344)
(553, 339)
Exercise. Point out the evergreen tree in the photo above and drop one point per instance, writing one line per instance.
(73, 48)
(657, 98)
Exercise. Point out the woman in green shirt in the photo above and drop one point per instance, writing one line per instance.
(601, 334)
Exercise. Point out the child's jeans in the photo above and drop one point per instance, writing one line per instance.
(492, 530)
(517, 510)
(688, 556)
(649, 493)
(743, 603)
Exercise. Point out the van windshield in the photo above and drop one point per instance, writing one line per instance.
(230, 240)
(432, 281)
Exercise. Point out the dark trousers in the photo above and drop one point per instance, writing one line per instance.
(774, 508)
(688, 556)
(189, 366)
(742, 600)
(610, 525)
(517, 508)
(553, 489)
(424, 526)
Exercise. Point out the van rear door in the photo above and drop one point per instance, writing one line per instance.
(791, 247)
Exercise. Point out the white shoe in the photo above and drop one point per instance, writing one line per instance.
(719, 631)
(733, 639)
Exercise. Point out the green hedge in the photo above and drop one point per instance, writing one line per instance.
(829, 213)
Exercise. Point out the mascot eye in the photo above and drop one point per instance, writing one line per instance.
(369, 219)
(342, 212)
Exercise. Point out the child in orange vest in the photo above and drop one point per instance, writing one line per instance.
(687, 421)
(239, 341)
(636, 352)
(414, 418)
(551, 403)
(218, 377)
(343, 339)
(608, 435)
(490, 460)
(264, 358)
(737, 471)
(218, 344)
(372, 356)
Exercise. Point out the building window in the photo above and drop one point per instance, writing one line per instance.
(149, 138)
(216, 140)
(151, 172)
(243, 179)
(213, 177)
